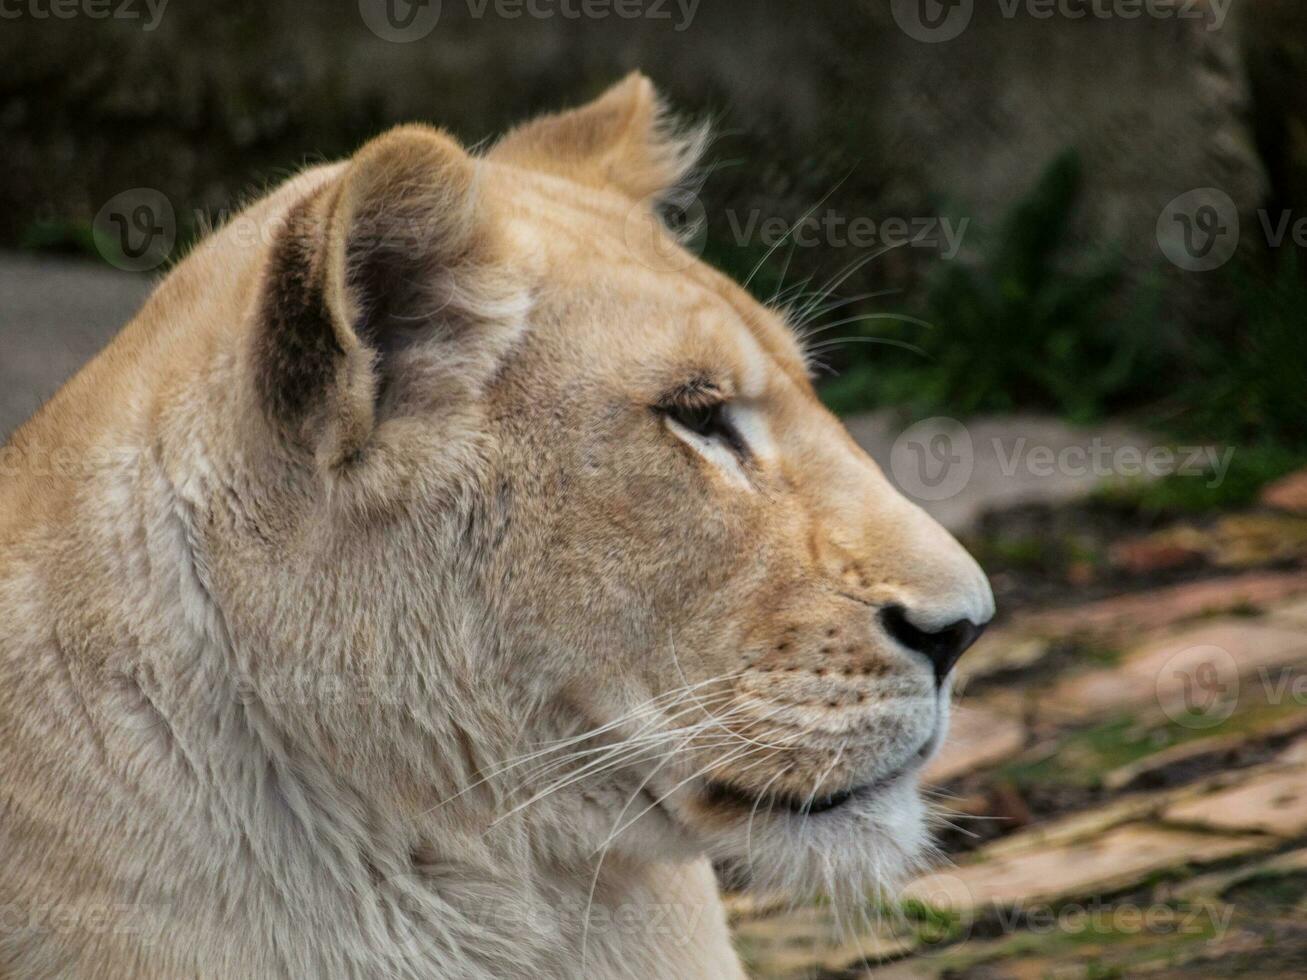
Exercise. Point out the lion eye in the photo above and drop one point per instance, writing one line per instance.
(702, 420)
(711, 421)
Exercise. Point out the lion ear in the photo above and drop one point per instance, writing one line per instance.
(623, 140)
(397, 250)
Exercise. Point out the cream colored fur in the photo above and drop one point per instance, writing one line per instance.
(313, 583)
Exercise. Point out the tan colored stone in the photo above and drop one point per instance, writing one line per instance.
(1273, 803)
(978, 738)
(911, 969)
(1173, 548)
(811, 941)
(1047, 955)
(742, 906)
(1004, 701)
(1136, 807)
(1234, 541)
(1291, 612)
(1294, 754)
(1218, 883)
(999, 651)
(1198, 668)
(1166, 607)
(1246, 540)
(1288, 493)
(1082, 826)
(1126, 775)
(1118, 859)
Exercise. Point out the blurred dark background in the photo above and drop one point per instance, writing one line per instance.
(1088, 209)
(1055, 142)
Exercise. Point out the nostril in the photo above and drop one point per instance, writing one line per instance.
(941, 647)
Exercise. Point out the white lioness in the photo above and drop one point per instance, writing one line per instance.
(436, 575)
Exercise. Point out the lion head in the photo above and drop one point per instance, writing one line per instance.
(479, 423)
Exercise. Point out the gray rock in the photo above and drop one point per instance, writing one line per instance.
(56, 315)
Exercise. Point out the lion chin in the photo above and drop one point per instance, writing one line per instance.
(869, 850)
(848, 847)
(442, 571)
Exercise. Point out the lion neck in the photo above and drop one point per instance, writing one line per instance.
(299, 793)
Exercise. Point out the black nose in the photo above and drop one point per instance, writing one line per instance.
(941, 647)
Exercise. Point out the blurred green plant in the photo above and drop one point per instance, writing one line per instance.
(933, 927)
(1245, 387)
(58, 236)
(1017, 328)
(1251, 468)
(1249, 385)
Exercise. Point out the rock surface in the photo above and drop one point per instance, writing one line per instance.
(1094, 866)
(56, 314)
(1288, 494)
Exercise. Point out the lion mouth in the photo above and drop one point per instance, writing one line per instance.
(733, 797)
(726, 795)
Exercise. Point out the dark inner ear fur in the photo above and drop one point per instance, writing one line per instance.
(394, 282)
(362, 271)
(298, 347)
